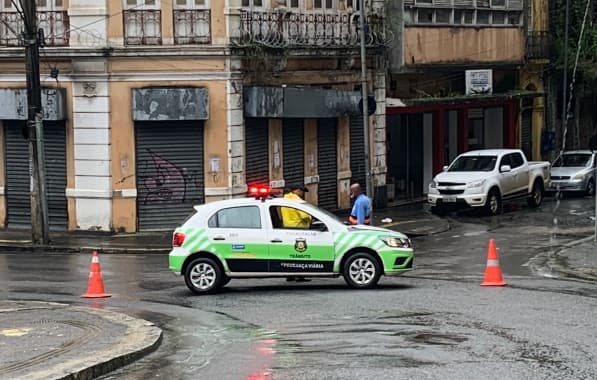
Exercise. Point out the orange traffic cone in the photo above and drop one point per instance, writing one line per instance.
(493, 273)
(95, 288)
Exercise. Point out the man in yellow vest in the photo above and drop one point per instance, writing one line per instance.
(292, 217)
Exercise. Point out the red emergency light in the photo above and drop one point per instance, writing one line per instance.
(261, 192)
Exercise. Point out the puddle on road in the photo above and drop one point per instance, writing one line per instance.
(438, 339)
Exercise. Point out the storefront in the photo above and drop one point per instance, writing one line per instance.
(169, 148)
(422, 138)
(16, 154)
(305, 135)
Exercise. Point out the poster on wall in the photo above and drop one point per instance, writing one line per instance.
(479, 82)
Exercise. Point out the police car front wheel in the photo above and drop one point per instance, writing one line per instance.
(362, 271)
(203, 276)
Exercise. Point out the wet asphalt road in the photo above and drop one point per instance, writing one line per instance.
(434, 323)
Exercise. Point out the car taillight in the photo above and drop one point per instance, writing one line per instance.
(178, 239)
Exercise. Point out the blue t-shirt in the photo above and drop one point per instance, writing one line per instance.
(361, 209)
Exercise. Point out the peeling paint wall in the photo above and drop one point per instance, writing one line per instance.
(427, 45)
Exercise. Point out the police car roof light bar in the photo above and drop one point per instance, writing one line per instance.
(262, 192)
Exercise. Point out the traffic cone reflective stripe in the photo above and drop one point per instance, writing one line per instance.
(95, 288)
(493, 272)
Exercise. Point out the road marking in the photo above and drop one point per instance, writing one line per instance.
(15, 332)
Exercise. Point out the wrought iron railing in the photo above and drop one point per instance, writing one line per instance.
(192, 26)
(142, 27)
(538, 45)
(55, 25)
(287, 29)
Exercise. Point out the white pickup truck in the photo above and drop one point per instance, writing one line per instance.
(484, 178)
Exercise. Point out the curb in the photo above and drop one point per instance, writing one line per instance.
(445, 226)
(7, 247)
(552, 261)
(140, 338)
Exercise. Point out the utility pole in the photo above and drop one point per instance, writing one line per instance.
(565, 79)
(31, 39)
(365, 102)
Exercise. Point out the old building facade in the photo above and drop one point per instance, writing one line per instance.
(153, 106)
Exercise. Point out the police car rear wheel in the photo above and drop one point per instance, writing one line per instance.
(203, 276)
(361, 271)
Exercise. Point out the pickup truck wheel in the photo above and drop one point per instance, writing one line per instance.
(493, 204)
(536, 197)
(590, 191)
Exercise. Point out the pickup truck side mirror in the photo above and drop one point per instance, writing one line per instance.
(445, 167)
(505, 169)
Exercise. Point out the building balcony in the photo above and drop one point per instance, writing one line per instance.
(142, 27)
(192, 26)
(276, 29)
(538, 45)
(55, 25)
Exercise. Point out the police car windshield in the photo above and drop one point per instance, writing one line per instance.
(326, 212)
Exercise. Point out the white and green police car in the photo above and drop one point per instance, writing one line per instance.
(246, 238)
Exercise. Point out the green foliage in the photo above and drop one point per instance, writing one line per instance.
(587, 67)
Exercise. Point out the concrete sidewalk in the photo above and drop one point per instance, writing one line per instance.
(40, 340)
(413, 220)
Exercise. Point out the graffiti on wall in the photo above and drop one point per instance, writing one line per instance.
(162, 181)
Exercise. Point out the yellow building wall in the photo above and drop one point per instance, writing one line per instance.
(424, 45)
(116, 24)
(122, 138)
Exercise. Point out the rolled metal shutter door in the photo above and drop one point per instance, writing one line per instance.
(170, 172)
(357, 151)
(327, 163)
(526, 134)
(18, 181)
(257, 151)
(293, 145)
(55, 155)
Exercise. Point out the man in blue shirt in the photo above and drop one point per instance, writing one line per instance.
(361, 209)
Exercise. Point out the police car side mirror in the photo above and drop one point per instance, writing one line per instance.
(319, 226)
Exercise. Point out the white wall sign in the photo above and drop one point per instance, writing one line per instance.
(479, 82)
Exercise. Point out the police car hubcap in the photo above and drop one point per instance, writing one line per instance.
(203, 276)
(362, 271)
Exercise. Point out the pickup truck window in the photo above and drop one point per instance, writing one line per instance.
(474, 164)
(573, 160)
(516, 160)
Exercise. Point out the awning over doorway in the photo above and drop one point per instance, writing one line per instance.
(293, 102)
(13, 104)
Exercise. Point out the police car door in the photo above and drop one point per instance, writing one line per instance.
(304, 250)
(238, 237)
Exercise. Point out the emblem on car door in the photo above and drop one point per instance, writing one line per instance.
(300, 245)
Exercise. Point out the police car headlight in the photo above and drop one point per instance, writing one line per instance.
(395, 242)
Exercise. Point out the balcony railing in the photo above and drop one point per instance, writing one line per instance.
(538, 45)
(286, 29)
(142, 27)
(55, 25)
(192, 26)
